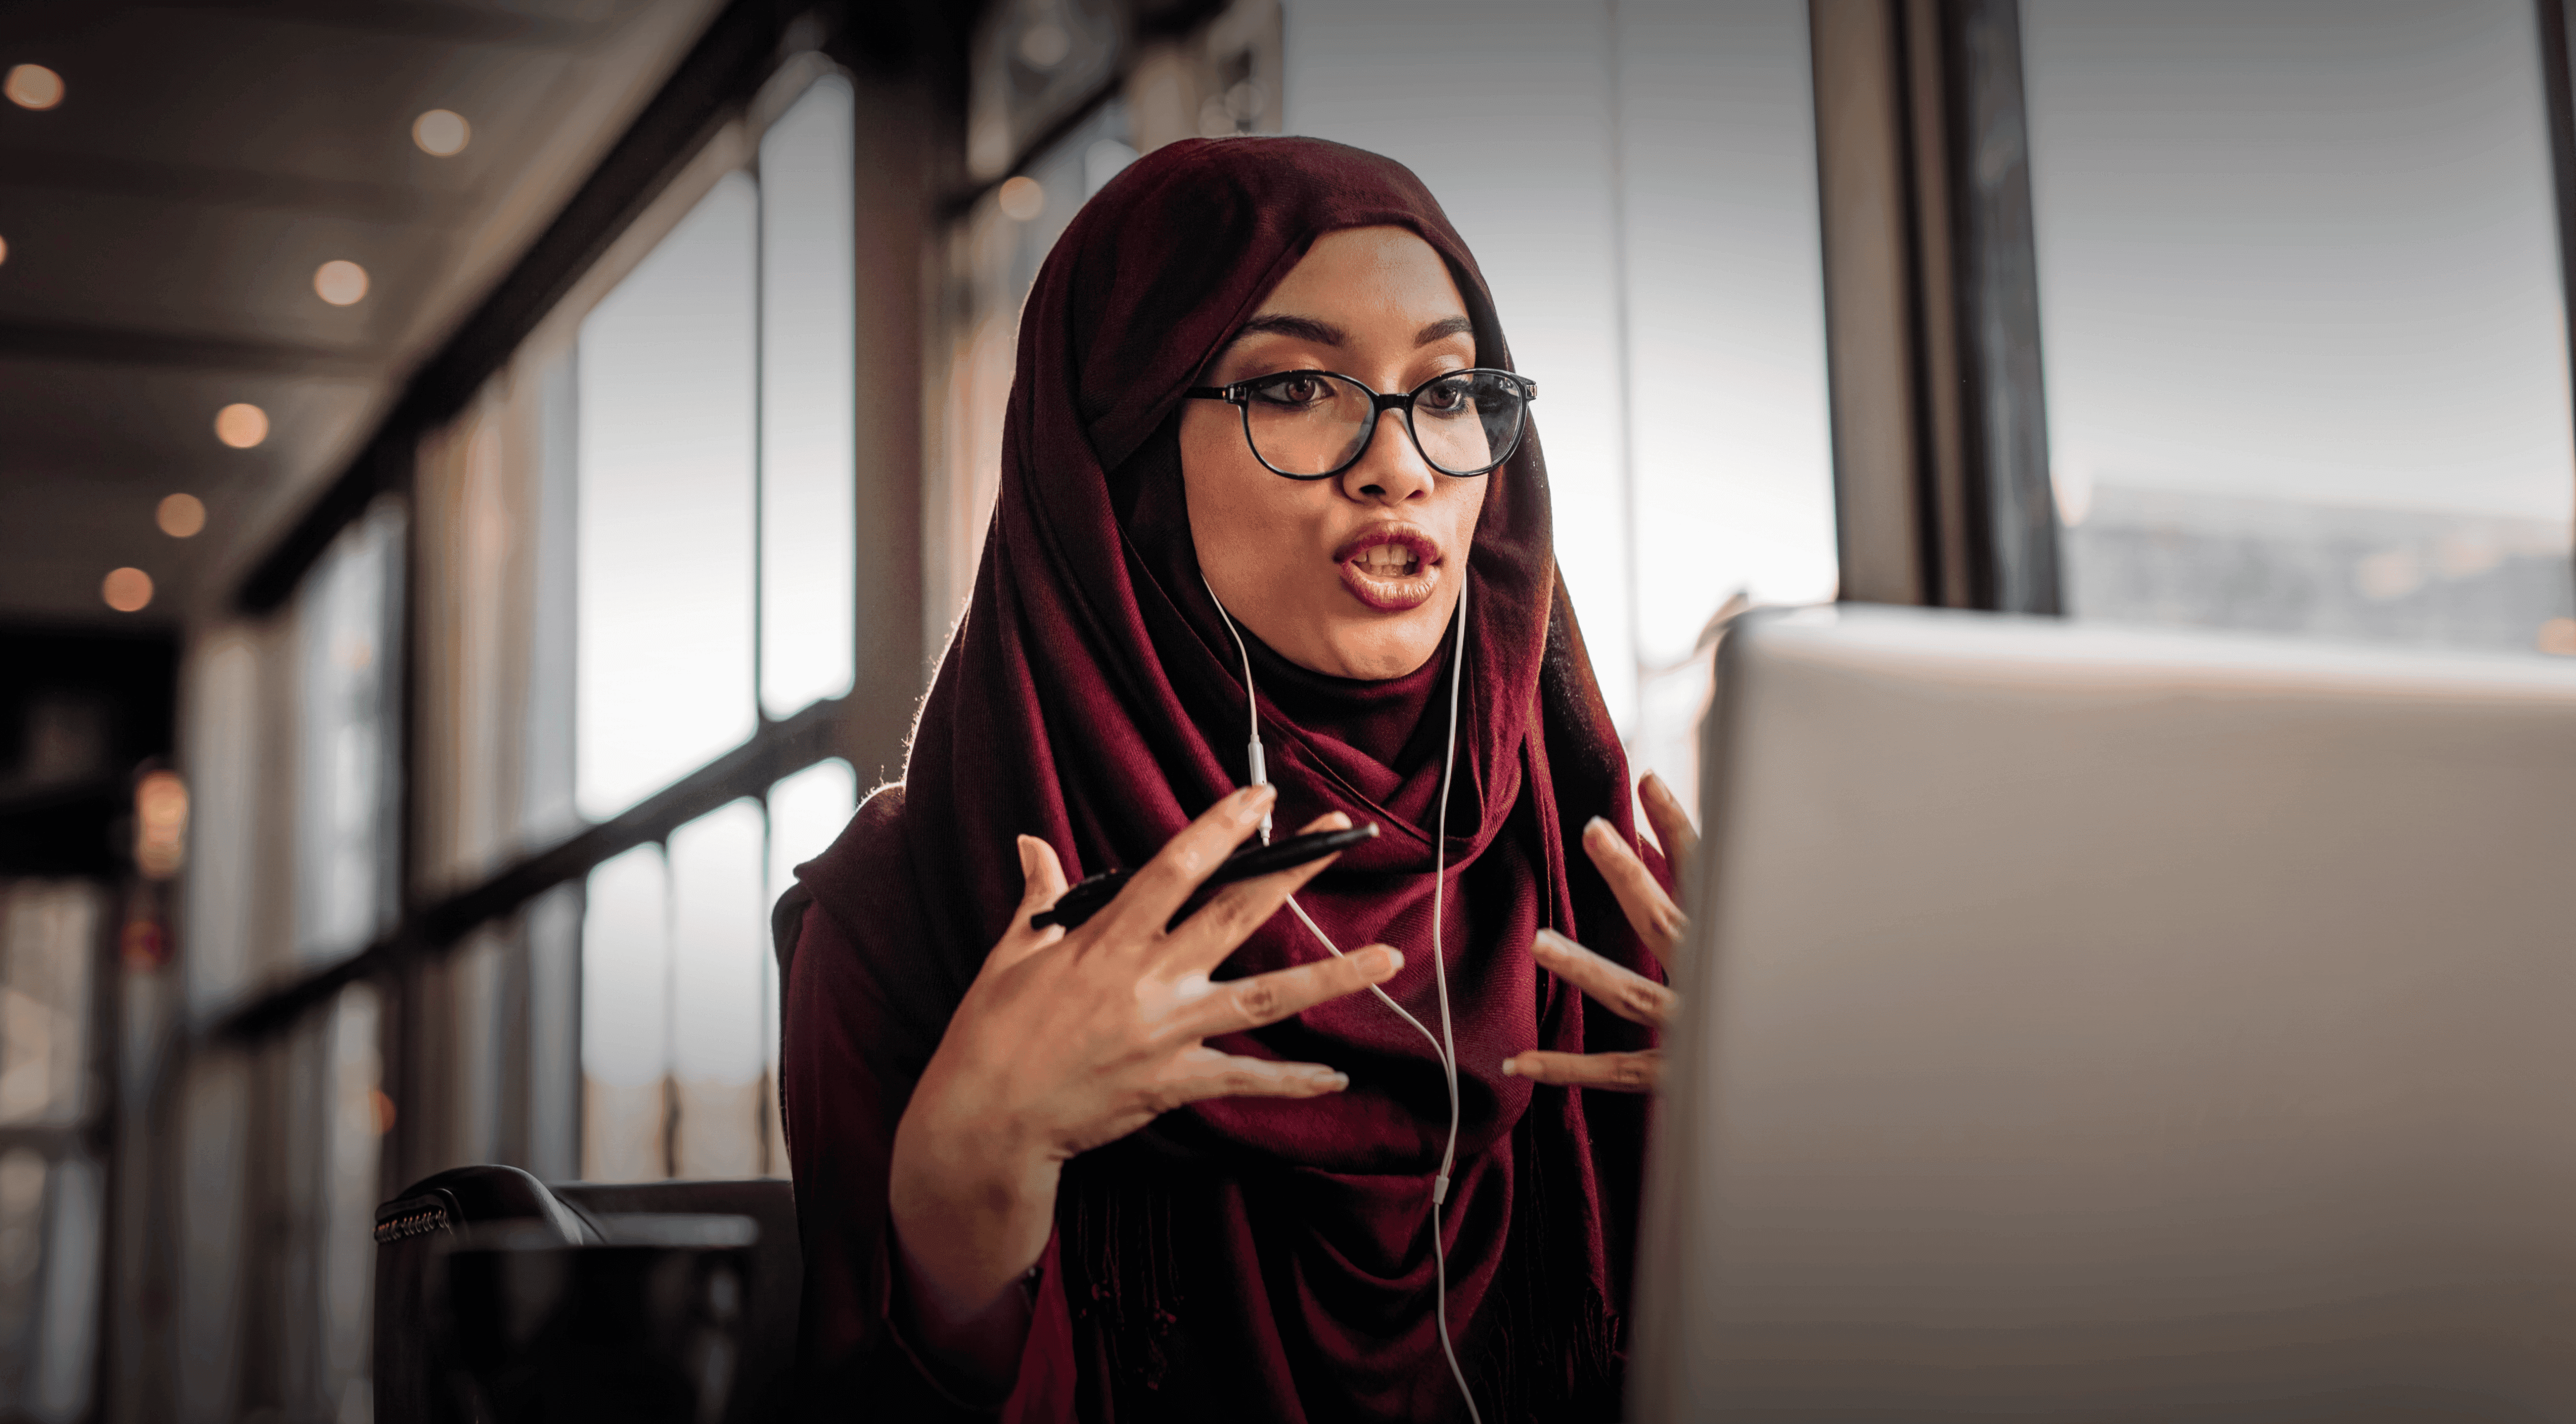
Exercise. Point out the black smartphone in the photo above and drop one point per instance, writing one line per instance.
(1092, 894)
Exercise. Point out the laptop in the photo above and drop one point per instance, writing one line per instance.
(2104, 1024)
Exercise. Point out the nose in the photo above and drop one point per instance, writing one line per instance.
(1391, 471)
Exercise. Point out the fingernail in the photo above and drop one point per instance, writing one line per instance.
(1389, 960)
(1599, 826)
(1333, 1082)
(1251, 801)
(1511, 1069)
(1548, 940)
(1028, 859)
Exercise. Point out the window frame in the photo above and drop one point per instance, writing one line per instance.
(706, 123)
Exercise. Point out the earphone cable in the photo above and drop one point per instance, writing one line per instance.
(1440, 978)
(1444, 1045)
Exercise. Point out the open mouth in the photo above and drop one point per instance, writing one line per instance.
(1391, 568)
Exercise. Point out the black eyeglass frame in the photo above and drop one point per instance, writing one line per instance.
(1239, 395)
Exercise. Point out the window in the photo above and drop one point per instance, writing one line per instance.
(680, 993)
(349, 625)
(808, 366)
(715, 436)
(51, 1197)
(493, 788)
(2304, 337)
(669, 382)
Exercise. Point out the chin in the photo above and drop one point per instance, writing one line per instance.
(1374, 652)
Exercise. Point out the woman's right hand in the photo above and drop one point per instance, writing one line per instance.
(1068, 1040)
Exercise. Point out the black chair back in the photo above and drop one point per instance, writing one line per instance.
(410, 1387)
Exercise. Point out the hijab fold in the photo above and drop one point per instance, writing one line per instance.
(1093, 696)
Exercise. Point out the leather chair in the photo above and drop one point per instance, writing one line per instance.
(408, 1386)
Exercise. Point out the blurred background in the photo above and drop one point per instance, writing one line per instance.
(483, 484)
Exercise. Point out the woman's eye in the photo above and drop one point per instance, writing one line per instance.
(1291, 391)
(1446, 398)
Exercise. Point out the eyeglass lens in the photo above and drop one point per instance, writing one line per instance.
(1309, 423)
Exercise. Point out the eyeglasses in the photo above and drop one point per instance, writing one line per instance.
(1312, 425)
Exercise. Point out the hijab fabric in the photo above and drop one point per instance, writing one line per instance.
(1269, 1255)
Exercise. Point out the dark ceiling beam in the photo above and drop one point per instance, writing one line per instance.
(389, 203)
(716, 78)
(109, 346)
(456, 24)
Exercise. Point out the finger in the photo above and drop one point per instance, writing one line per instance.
(1658, 920)
(1150, 897)
(1202, 942)
(1673, 828)
(1619, 1072)
(1041, 885)
(1240, 1004)
(1630, 995)
(1197, 1074)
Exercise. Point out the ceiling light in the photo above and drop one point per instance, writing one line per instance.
(340, 283)
(241, 425)
(160, 824)
(1022, 198)
(127, 590)
(33, 86)
(442, 133)
(181, 516)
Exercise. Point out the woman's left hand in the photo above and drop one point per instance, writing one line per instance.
(1630, 995)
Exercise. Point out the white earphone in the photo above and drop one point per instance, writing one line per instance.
(1445, 1044)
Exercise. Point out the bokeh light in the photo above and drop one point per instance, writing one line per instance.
(160, 824)
(181, 516)
(241, 425)
(127, 590)
(340, 282)
(442, 133)
(1022, 198)
(33, 86)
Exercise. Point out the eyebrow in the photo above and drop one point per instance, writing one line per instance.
(1304, 328)
(1324, 333)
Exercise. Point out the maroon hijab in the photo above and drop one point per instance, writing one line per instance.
(1267, 1256)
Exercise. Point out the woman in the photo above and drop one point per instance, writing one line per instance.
(1140, 1172)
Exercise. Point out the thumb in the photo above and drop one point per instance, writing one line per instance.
(1042, 875)
(1042, 879)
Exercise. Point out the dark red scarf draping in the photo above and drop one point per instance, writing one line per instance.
(1266, 1256)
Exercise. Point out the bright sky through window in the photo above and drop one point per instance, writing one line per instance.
(718, 935)
(808, 449)
(626, 971)
(664, 661)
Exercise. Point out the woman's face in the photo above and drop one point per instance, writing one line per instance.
(1353, 575)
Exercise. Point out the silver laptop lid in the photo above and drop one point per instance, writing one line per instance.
(2118, 1024)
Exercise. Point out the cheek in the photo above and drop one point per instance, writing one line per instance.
(1236, 507)
(1465, 507)
(1212, 483)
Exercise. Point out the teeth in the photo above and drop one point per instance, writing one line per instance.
(1386, 561)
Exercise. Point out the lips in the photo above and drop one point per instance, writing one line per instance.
(1392, 568)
